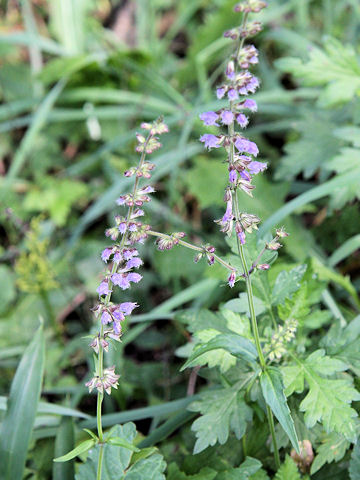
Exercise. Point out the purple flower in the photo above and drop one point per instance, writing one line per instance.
(245, 175)
(210, 141)
(257, 167)
(220, 92)
(117, 327)
(122, 227)
(241, 237)
(121, 201)
(105, 318)
(209, 118)
(120, 280)
(228, 213)
(244, 145)
(103, 288)
(227, 117)
(250, 104)
(231, 279)
(232, 176)
(117, 257)
(134, 277)
(129, 253)
(232, 94)
(105, 254)
(118, 315)
(134, 263)
(243, 90)
(242, 120)
(132, 227)
(127, 307)
(252, 85)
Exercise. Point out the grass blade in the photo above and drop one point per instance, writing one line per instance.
(22, 404)
(29, 138)
(345, 250)
(314, 194)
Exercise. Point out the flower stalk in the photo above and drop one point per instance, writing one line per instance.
(242, 166)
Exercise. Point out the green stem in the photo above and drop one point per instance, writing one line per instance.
(99, 467)
(100, 369)
(273, 436)
(246, 274)
(192, 247)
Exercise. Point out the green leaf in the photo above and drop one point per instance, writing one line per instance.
(151, 468)
(121, 442)
(234, 344)
(81, 448)
(328, 401)
(295, 308)
(332, 449)
(272, 388)
(310, 152)
(343, 343)
(288, 470)
(116, 460)
(63, 443)
(336, 67)
(354, 467)
(22, 404)
(287, 283)
(221, 411)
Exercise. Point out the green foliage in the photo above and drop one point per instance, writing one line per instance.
(222, 411)
(116, 460)
(328, 400)
(56, 197)
(332, 449)
(288, 471)
(23, 401)
(34, 271)
(273, 390)
(336, 68)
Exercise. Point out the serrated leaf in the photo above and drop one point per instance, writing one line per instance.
(354, 467)
(295, 308)
(332, 449)
(22, 404)
(336, 67)
(222, 411)
(234, 344)
(81, 448)
(328, 401)
(343, 343)
(287, 283)
(310, 152)
(273, 391)
(116, 460)
(288, 470)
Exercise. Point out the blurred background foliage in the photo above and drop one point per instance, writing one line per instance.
(77, 77)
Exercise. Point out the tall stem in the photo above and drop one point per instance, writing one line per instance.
(249, 292)
(100, 369)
